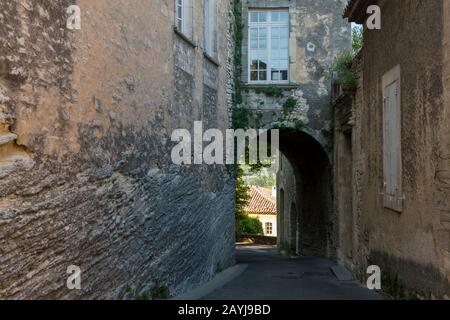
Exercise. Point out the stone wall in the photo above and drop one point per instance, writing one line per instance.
(317, 35)
(301, 108)
(86, 176)
(412, 244)
(286, 200)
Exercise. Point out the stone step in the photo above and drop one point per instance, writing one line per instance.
(7, 138)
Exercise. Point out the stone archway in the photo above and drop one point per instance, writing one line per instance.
(306, 177)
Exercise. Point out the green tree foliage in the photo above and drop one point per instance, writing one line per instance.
(357, 39)
(263, 181)
(242, 192)
(342, 68)
(244, 223)
(248, 225)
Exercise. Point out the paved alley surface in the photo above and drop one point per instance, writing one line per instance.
(270, 276)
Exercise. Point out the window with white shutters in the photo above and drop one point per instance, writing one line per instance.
(184, 17)
(392, 146)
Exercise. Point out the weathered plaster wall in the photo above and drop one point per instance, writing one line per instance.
(317, 35)
(286, 186)
(442, 180)
(86, 176)
(343, 178)
(412, 244)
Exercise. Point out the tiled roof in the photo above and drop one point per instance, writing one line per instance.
(261, 201)
(356, 10)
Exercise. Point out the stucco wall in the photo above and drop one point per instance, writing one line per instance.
(410, 244)
(89, 180)
(267, 218)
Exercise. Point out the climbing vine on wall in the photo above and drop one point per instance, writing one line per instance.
(237, 33)
(342, 68)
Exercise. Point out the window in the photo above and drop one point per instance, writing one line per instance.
(179, 15)
(268, 46)
(269, 228)
(184, 16)
(210, 26)
(392, 146)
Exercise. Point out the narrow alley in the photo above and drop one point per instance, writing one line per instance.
(270, 276)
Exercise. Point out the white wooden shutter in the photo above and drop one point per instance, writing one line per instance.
(392, 153)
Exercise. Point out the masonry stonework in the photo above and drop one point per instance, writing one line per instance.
(86, 118)
(300, 108)
(413, 244)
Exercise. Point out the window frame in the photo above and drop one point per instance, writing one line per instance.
(180, 6)
(207, 27)
(210, 28)
(267, 226)
(269, 24)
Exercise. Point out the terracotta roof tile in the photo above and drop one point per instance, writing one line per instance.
(261, 201)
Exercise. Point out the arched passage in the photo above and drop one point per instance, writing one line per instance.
(305, 177)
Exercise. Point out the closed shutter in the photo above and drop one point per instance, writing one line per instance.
(392, 155)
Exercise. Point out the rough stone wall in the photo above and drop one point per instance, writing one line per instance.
(412, 244)
(286, 186)
(343, 182)
(442, 179)
(86, 176)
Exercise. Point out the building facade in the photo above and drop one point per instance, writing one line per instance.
(86, 117)
(262, 206)
(392, 148)
(287, 50)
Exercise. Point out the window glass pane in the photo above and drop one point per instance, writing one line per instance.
(253, 16)
(275, 16)
(263, 75)
(262, 16)
(275, 44)
(254, 76)
(262, 33)
(254, 44)
(263, 44)
(253, 33)
(283, 64)
(262, 65)
(283, 32)
(276, 76)
(275, 33)
(284, 16)
(254, 65)
(284, 75)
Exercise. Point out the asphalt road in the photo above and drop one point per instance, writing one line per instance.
(270, 276)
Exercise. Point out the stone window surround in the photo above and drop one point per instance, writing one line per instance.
(214, 60)
(187, 19)
(210, 27)
(248, 25)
